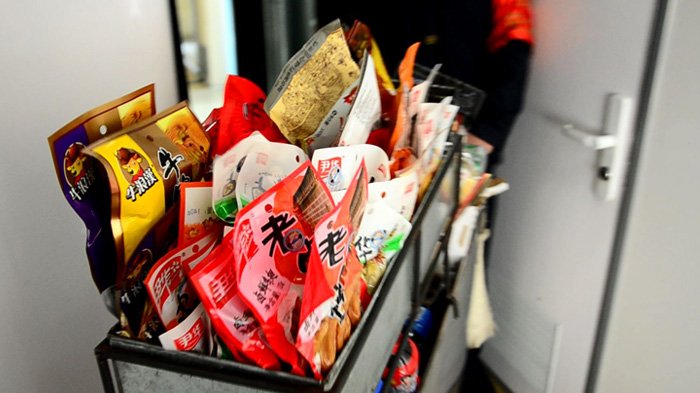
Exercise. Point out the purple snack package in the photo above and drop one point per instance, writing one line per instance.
(84, 187)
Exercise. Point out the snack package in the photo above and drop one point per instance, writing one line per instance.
(400, 193)
(359, 40)
(267, 164)
(272, 243)
(242, 114)
(196, 213)
(131, 296)
(151, 326)
(381, 235)
(433, 129)
(145, 164)
(167, 286)
(192, 335)
(331, 126)
(331, 303)
(310, 84)
(337, 165)
(214, 279)
(84, 189)
(366, 108)
(227, 168)
(406, 83)
(406, 143)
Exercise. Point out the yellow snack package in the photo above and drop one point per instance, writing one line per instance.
(145, 165)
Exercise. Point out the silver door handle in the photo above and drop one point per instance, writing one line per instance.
(612, 144)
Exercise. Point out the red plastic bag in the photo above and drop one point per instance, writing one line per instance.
(242, 114)
(272, 244)
(214, 279)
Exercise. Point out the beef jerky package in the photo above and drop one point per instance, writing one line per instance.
(337, 165)
(227, 167)
(272, 243)
(214, 279)
(131, 297)
(267, 163)
(192, 334)
(381, 235)
(167, 285)
(310, 84)
(242, 114)
(145, 164)
(196, 213)
(401, 193)
(84, 189)
(331, 300)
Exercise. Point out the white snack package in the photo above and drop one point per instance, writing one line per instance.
(337, 165)
(226, 169)
(366, 108)
(382, 230)
(193, 334)
(399, 193)
(266, 164)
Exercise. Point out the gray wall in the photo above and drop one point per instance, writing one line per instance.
(654, 333)
(58, 59)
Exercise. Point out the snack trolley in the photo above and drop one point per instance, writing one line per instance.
(132, 366)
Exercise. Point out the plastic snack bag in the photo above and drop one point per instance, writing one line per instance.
(193, 334)
(242, 114)
(83, 188)
(130, 295)
(403, 117)
(331, 302)
(196, 213)
(227, 168)
(310, 84)
(337, 165)
(366, 108)
(145, 164)
(331, 126)
(214, 279)
(167, 286)
(272, 243)
(381, 235)
(401, 193)
(267, 163)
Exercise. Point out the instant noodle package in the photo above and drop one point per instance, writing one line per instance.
(262, 233)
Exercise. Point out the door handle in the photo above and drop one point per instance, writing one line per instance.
(612, 144)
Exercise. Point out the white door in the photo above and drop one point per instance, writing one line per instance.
(553, 236)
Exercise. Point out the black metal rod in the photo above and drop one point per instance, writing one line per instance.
(177, 53)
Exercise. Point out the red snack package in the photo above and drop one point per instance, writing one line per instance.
(166, 283)
(331, 301)
(242, 114)
(196, 212)
(214, 279)
(192, 334)
(272, 244)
